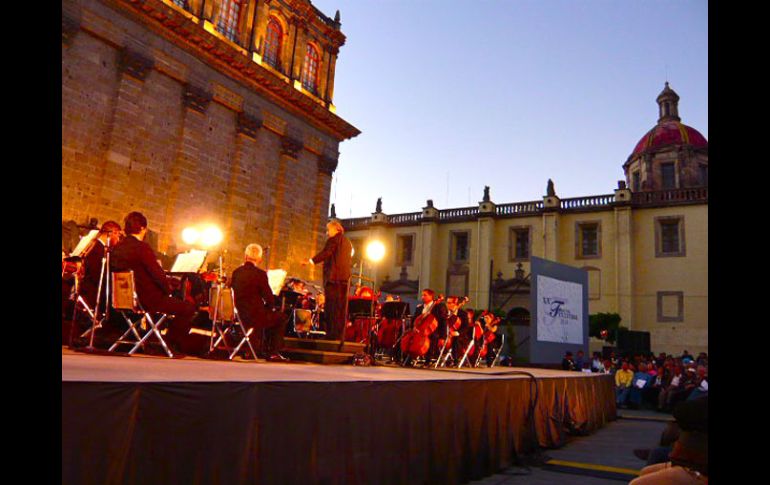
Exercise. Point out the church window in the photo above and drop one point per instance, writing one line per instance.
(228, 19)
(404, 249)
(636, 181)
(588, 239)
(310, 69)
(273, 43)
(519, 244)
(703, 172)
(459, 249)
(668, 175)
(669, 236)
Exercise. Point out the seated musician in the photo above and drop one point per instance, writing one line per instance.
(256, 303)
(109, 234)
(459, 325)
(152, 288)
(438, 310)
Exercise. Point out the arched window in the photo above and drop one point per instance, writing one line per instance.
(310, 69)
(273, 43)
(229, 15)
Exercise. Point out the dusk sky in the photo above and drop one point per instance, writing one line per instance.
(453, 95)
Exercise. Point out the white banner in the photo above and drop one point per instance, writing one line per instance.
(559, 311)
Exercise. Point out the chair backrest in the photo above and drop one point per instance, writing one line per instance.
(226, 310)
(123, 290)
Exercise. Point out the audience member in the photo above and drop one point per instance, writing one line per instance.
(579, 361)
(623, 382)
(642, 380)
(596, 363)
(567, 363)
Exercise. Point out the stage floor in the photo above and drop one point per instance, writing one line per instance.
(80, 367)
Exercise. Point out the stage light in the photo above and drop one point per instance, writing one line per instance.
(375, 251)
(211, 236)
(190, 235)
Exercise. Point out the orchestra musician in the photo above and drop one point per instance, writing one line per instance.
(256, 303)
(460, 325)
(336, 257)
(109, 235)
(438, 310)
(152, 287)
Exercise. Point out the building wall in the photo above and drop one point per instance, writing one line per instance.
(147, 125)
(626, 278)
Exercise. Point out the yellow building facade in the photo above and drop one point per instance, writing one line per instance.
(645, 250)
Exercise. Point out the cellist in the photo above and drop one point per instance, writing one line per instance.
(438, 310)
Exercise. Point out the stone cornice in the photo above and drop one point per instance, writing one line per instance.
(221, 55)
(248, 125)
(134, 63)
(196, 98)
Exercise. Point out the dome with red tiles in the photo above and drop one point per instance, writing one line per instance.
(668, 133)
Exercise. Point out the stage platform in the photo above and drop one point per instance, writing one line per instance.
(145, 420)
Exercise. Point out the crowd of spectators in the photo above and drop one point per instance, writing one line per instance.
(645, 380)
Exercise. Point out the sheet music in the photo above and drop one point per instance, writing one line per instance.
(189, 262)
(84, 242)
(275, 279)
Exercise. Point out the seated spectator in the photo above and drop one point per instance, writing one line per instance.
(702, 359)
(701, 385)
(669, 386)
(579, 361)
(567, 363)
(607, 367)
(623, 382)
(641, 381)
(596, 362)
(688, 384)
(686, 357)
(689, 455)
(615, 361)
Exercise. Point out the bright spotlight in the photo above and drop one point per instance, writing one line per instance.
(190, 235)
(375, 251)
(211, 236)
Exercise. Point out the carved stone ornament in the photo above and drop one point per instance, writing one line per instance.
(290, 146)
(196, 98)
(248, 125)
(327, 164)
(134, 63)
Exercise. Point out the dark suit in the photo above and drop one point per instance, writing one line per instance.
(152, 288)
(336, 257)
(255, 303)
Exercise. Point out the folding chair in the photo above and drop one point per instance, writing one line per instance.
(225, 322)
(125, 302)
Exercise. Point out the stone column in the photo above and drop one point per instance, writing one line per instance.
(114, 187)
(486, 241)
(624, 256)
(184, 169)
(551, 227)
(428, 246)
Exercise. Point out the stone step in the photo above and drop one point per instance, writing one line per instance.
(351, 348)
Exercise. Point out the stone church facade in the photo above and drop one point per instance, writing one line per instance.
(202, 112)
(644, 246)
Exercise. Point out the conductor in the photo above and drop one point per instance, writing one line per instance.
(336, 257)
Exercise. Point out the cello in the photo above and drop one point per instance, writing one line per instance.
(416, 342)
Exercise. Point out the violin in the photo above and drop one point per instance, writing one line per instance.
(416, 342)
(488, 335)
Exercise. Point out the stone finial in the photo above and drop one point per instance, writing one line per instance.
(550, 191)
(333, 214)
(378, 209)
(519, 272)
(430, 203)
(621, 184)
(486, 193)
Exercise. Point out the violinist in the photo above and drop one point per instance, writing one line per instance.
(109, 235)
(438, 310)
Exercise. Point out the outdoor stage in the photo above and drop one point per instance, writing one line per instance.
(148, 420)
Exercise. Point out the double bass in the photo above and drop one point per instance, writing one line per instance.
(416, 342)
